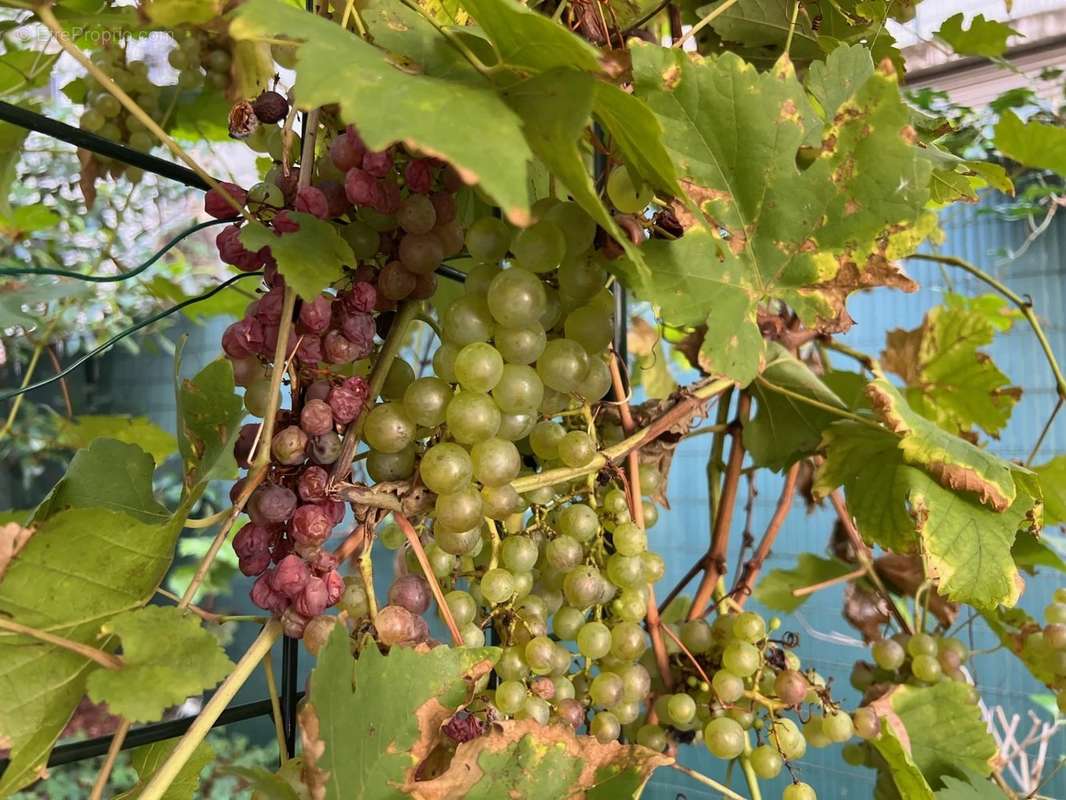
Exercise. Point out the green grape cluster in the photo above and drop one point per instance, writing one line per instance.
(920, 658)
(1048, 646)
(201, 61)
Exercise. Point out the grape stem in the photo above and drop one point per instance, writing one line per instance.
(687, 652)
(423, 561)
(104, 659)
(275, 708)
(183, 750)
(636, 510)
(211, 616)
(701, 778)
(117, 738)
(685, 408)
(342, 467)
(749, 772)
(742, 591)
(714, 561)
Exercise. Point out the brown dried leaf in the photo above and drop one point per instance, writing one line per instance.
(90, 171)
(877, 271)
(901, 353)
(313, 748)
(865, 611)
(13, 537)
(905, 575)
(883, 706)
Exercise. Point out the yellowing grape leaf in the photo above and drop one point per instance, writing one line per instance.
(167, 657)
(984, 37)
(1032, 144)
(379, 715)
(209, 418)
(170, 13)
(524, 759)
(902, 508)
(81, 431)
(389, 100)
(148, 758)
(950, 380)
(1052, 476)
(775, 589)
(310, 258)
(784, 428)
(107, 474)
(786, 230)
(1014, 627)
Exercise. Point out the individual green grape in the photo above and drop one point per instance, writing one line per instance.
(926, 668)
(577, 227)
(462, 606)
(696, 636)
(521, 344)
(518, 553)
(724, 738)
(579, 521)
(627, 641)
(426, 400)
(567, 623)
(594, 640)
(766, 762)
(479, 277)
(838, 727)
(257, 398)
(540, 496)
(626, 572)
(615, 502)
(488, 239)
(500, 502)
(467, 320)
(630, 605)
(459, 510)
(954, 645)
(606, 689)
(623, 193)
(519, 389)
(391, 466)
(459, 543)
(788, 738)
(363, 239)
(554, 402)
(888, 654)
(750, 627)
(444, 362)
(605, 727)
(478, 367)
(388, 429)
(581, 277)
(652, 736)
(650, 513)
(398, 378)
(921, 644)
(540, 247)
(1055, 613)
(564, 552)
(866, 723)
(728, 687)
(630, 539)
(496, 461)
(591, 327)
(516, 297)
(582, 586)
(799, 791)
(512, 665)
(354, 600)
(576, 449)
(497, 585)
(539, 652)
(391, 536)
(563, 365)
(681, 709)
(446, 468)
(535, 709)
(514, 427)
(741, 658)
(472, 417)
(544, 440)
(266, 194)
(510, 696)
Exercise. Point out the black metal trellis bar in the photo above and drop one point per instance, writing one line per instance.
(32, 121)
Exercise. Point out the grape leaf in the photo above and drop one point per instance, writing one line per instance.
(1029, 553)
(379, 715)
(16, 295)
(209, 419)
(524, 38)
(950, 380)
(389, 102)
(12, 138)
(167, 656)
(107, 474)
(945, 729)
(26, 220)
(555, 107)
(1052, 477)
(833, 81)
(638, 135)
(775, 589)
(529, 760)
(908, 779)
(170, 13)
(984, 37)
(902, 508)
(229, 302)
(1032, 144)
(148, 758)
(81, 431)
(733, 134)
(265, 784)
(974, 787)
(785, 429)
(80, 568)
(1013, 627)
(765, 23)
(310, 258)
(954, 462)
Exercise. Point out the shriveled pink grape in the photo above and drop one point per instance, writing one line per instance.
(242, 447)
(217, 206)
(251, 540)
(310, 350)
(398, 626)
(317, 633)
(289, 446)
(266, 597)
(254, 564)
(312, 601)
(378, 163)
(315, 314)
(311, 486)
(334, 586)
(444, 205)
(293, 623)
(311, 524)
(418, 175)
(358, 328)
(346, 152)
(338, 349)
(361, 297)
(312, 200)
(243, 338)
(344, 405)
(316, 418)
(290, 576)
(271, 504)
(362, 188)
(325, 449)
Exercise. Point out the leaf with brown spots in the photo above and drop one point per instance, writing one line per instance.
(379, 716)
(781, 230)
(524, 760)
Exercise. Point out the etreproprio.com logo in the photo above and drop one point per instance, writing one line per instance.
(91, 35)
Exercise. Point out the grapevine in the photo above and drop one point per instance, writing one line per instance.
(497, 437)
